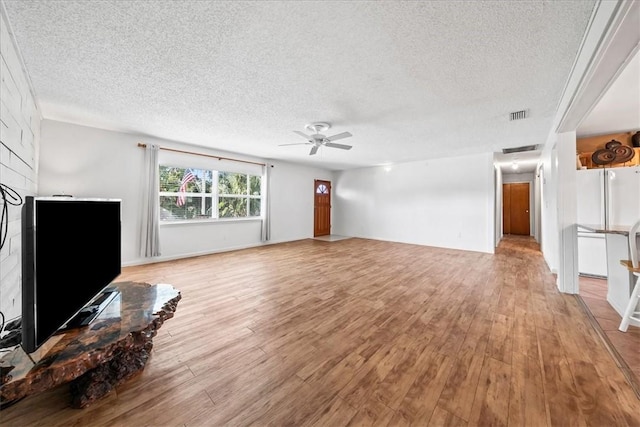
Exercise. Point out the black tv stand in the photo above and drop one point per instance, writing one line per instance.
(90, 311)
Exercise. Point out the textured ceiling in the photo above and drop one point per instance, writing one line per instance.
(409, 80)
(619, 108)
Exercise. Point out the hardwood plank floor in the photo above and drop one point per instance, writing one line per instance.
(362, 332)
(593, 292)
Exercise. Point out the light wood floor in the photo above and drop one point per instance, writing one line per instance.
(362, 332)
(627, 344)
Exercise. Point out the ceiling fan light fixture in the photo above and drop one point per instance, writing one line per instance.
(317, 140)
(318, 127)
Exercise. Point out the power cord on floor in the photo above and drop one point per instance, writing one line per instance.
(9, 197)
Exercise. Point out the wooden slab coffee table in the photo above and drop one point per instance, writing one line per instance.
(96, 358)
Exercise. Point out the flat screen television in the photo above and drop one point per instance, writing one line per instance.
(71, 251)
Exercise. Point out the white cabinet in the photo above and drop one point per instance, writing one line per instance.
(606, 198)
(590, 196)
(592, 254)
(609, 197)
(624, 195)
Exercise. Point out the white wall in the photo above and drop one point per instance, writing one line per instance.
(292, 200)
(88, 162)
(518, 177)
(19, 136)
(538, 203)
(446, 202)
(498, 205)
(611, 38)
(549, 216)
(567, 208)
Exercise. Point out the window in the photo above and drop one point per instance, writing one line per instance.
(322, 189)
(192, 194)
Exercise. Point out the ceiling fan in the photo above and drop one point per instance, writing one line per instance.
(317, 140)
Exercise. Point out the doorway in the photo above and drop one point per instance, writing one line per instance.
(516, 217)
(322, 208)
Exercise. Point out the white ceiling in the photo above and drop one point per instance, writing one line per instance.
(409, 80)
(526, 161)
(618, 110)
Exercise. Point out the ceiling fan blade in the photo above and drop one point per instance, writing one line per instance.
(314, 150)
(302, 134)
(340, 146)
(296, 143)
(339, 136)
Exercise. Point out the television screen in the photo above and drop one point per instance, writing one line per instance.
(71, 252)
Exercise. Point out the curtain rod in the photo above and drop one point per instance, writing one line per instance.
(141, 145)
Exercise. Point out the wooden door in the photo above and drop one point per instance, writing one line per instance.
(515, 209)
(322, 208)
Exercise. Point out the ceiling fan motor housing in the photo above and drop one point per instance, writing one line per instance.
(318, 127)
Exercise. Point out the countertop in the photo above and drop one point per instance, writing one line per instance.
(612, 229)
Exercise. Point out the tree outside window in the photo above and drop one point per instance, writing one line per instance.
(191, 194)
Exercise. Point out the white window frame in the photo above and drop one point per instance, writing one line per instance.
(248, 195)
(215, 196)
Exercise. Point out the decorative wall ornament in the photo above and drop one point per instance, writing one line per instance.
(603, 157)
(613, 152)
(612, 144)
(623, 153)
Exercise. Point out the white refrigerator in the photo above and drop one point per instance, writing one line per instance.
(608, 197)
(623, 192)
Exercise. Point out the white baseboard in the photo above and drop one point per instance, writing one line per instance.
(143, 261)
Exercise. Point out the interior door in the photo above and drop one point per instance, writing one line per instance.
(516, 209)
(322, 208)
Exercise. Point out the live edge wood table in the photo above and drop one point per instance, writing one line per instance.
(95, 358)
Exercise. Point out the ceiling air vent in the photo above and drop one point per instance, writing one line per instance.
(519, 149)
(518, 115)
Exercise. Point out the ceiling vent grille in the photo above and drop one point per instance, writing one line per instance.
(519, 149)
(518, 115)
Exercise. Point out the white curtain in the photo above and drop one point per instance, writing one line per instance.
(266, 203)
(150, 226)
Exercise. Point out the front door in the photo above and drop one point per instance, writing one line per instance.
(322, 208)
(515, 209)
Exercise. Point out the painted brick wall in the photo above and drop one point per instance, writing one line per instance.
(19, 139)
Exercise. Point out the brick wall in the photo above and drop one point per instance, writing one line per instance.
(19, 138)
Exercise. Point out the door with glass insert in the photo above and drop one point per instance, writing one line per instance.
(322, 208)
